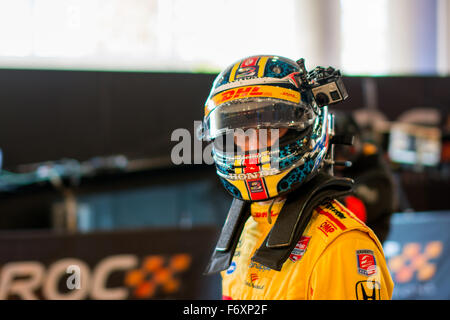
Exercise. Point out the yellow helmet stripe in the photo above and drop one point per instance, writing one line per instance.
(233, 71)
(262, 64)
(238, 166)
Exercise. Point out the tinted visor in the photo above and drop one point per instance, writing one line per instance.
(257, 113)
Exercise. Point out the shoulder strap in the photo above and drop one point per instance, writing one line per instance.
(290, 225)
(295, 216)
(226, 245)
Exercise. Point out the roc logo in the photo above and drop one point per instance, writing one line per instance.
(157, 273)
(115, 277)
(413, 260)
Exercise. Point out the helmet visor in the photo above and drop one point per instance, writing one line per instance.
(257, 113)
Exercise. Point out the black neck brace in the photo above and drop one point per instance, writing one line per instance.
(288, 228)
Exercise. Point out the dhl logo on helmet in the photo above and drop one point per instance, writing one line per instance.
(252, 91)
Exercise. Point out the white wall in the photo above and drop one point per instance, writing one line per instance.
(443, 37)
(358, 36)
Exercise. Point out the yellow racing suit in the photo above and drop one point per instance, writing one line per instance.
(337, 257)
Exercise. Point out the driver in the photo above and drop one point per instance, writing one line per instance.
(286, 236)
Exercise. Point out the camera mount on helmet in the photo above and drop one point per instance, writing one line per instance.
(325, 84)
(327, 87)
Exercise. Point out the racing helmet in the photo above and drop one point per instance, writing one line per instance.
(264, 92)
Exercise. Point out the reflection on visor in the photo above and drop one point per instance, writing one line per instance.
(257, 113)
(249, 140)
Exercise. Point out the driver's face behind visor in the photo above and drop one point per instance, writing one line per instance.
(257, 139)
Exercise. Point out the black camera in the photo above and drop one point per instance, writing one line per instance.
(326, 85)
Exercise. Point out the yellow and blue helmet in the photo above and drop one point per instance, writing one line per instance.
(263, 92)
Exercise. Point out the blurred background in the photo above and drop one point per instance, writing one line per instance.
(91, 91)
